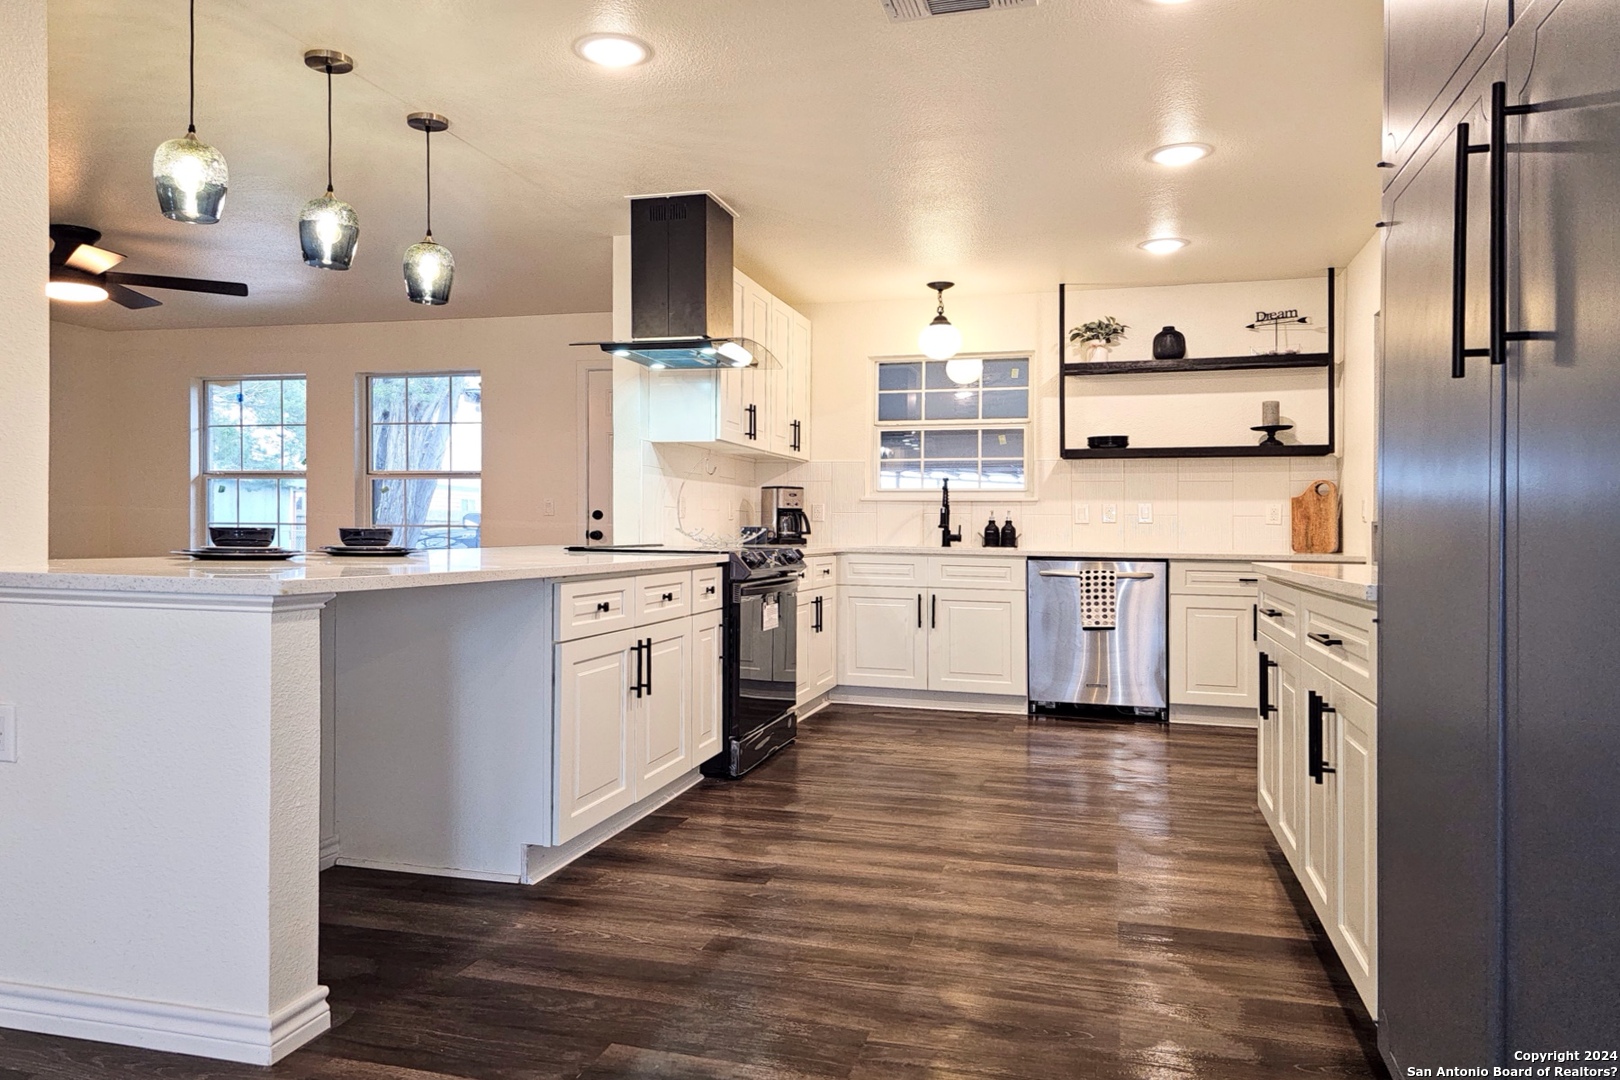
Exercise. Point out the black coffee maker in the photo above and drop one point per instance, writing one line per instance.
(781, 510)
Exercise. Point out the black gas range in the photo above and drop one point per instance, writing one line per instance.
(760, 660)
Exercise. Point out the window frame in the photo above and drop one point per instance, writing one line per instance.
(364, 475)
(1028, 425)
(202, 476)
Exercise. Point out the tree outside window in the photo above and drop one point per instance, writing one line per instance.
(425, 457)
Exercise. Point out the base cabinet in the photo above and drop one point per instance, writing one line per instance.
(1317, 789)
(1212, 645)
(884, 642)
(636, 710)
(818, 644)
(950, 640)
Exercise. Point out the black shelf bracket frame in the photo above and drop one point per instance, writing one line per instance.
(1325, 361)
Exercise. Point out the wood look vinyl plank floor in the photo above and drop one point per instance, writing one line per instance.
(901, 896)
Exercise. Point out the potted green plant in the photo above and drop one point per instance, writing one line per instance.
(1098, 336)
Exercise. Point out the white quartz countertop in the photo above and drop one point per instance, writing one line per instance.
(1353, 581)
(336, 574)
(1047, 553)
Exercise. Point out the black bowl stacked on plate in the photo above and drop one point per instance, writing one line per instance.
(240, 542)
(375, 540)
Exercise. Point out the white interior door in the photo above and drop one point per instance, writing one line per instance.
(598, 485)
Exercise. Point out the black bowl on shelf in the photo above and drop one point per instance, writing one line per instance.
(366, 536)
(1108, 442)
(242, 536)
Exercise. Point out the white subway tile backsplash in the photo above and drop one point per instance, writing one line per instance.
(900, 524)
(853, 530)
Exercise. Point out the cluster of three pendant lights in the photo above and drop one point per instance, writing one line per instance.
(191, 179)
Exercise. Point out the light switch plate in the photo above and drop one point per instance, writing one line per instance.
(1110, 513)
(8, 733)
(1082, 513)
(549, 508)
(1274, 513)
(1144, 513)
(818, 511)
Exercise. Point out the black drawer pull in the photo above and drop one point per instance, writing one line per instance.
(1271, 613)
(1325, 639)
(708, 590)
(1248, 581)
(604, 606)
(669, 598)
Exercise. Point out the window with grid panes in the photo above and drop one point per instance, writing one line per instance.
(932, 428)
(253, 457)
(425, 457)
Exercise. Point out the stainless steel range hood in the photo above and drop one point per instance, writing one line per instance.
(681, 309)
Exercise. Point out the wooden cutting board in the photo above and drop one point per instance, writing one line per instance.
(1316, 519)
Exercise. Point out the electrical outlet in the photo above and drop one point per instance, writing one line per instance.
(1274, 513)
(8, 733)
(818, 511)
(549, 508)
(1144, 513)
(1110, 513)
(1082, 513)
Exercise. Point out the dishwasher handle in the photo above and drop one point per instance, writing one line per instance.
(1124, 575)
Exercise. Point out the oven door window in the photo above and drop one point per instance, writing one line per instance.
(767, 648)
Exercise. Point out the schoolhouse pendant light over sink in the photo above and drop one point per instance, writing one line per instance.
(940, 340)
(190, 176)
(430, 269)
(328, 229)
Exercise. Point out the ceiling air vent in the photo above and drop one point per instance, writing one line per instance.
(906, 10)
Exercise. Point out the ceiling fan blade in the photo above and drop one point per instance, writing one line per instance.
(183, 284)
(129, 298)
(67, 239)
(92, 259)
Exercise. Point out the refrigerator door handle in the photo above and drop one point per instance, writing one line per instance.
(1459, 253)
(1500, 334)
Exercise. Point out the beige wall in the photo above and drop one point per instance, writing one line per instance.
(1363, 298)
(25, 375)
(1202, 505)
(125, 400)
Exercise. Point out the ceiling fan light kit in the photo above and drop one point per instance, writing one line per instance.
(940, 340)
(190, 176)
(430, 269)
(328, 228)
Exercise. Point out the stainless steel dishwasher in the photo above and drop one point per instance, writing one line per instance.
(1097, 637)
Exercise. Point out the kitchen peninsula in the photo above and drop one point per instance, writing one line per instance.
(164, 723)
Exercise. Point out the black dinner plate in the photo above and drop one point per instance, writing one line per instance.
(340, 549)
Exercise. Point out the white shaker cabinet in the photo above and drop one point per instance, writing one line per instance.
(664, 743)
(977, 641)
(883, 641)
(823, 653)
(1355, 737)
(1212, 641)
(708, 672)
(595, 778)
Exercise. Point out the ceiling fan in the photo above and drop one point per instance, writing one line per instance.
(81, 272)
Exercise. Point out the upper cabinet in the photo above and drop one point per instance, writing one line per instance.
(762, 410)
(1432, 49)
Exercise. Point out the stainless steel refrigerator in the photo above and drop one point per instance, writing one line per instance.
(1499, 803)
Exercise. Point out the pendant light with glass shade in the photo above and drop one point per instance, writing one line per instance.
(940, 340)
(328, 229)
(430, 269)
(190, 176)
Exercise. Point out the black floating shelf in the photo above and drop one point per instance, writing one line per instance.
(1248, 450)
(1216, 363)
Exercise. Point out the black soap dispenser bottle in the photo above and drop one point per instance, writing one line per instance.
(1009, 535)
(992, 535)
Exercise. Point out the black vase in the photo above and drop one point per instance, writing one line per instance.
(1169, 344)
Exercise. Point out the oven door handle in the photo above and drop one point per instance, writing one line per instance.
(765, 588)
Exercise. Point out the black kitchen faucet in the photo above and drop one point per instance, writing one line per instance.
(946, 537)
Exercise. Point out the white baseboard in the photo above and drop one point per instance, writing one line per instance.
(431, 871)
(930, 699)
(542, 862)
(161, 1025)
(330, 850)
(814, 705)
(1213, 716)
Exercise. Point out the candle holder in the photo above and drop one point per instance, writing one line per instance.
(1271, 433)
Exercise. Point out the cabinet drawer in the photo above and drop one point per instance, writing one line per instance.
(820, 570)
(899, 571)
(1338, 639)
(596, 606)
(1213, 579)
(662, 596)
(976, 572)
(707, 586)
(1278, 614)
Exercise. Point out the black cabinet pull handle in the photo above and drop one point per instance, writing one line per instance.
(1327, 640)
(1248, 581)
(604, 606)
(1266, 664)
(1313, 736)
(708, 590)
(815, 602)
(1271, 613)
(753, 420)
(933, 611)
(648, 647)
(1254, 622)
(919, 611)
(1322, 766)
(640, 672)
(669, 598)
(1459, 254)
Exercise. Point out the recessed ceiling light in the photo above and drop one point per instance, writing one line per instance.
(1180, 153)
(1163, 245)
(75, 292)
(612, 50)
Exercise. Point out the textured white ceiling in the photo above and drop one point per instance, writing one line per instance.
(1003, 150)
